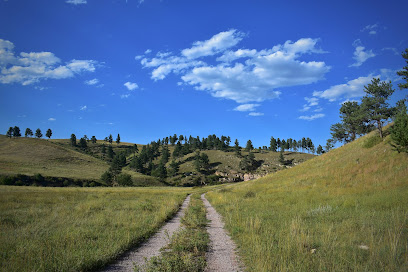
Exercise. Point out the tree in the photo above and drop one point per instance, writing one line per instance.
(124, 179)
(205, 162)
(248, 163)
(174, 168)
(399, 133)
(329, 145)
(118, 139)
(16, 132)
(237, 148)
(281, 157)
(83, 144)
(110, 152)
(107, 178)
(103, 149)
(404, 72)
(249, 146)
(353, 122)
(160, 171)
(28, 132)
(48, 133)
(73, 139)
(10, 132)
(38, 133)
(375, 102)
(273, 144)
(93, 139)
(319, 150)
(110, 139)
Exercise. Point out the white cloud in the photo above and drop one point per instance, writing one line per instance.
(92, 81)
(76, 2)
(124, 96)
(83, 108)
(312, 117)
(148, 51)
(51, 119)
(246, 107)
(254, 76)
(255, 114)
(311, 102)
(29, 68)
(371, 29)
(353, 88)
(360, 56)
(131, 86)
(216, 44)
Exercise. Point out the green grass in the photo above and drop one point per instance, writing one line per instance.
(77, 229)
(346, 210)
(187, 248)
(30, 156)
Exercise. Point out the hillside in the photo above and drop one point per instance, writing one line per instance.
(346, 210)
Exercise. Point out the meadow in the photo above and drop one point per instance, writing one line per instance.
(346, 210)
(78, 229)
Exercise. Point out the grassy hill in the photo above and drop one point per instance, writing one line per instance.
(346, 210)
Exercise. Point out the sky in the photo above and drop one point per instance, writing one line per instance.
(148, 69)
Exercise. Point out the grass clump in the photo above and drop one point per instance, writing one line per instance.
(186, 251)
(77, 229)
(371, 141)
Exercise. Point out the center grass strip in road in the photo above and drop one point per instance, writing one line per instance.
(78, 229)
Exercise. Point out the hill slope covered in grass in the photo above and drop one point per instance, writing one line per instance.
(346, 210)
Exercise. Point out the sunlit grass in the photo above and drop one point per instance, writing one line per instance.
(76, 229)
(343, 211)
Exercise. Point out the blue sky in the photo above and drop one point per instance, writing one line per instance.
(149, 69)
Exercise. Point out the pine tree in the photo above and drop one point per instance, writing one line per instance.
(93, 139)
(272, 145)
(329, 145)
(73, 139)
(375, 102)
(110, 139)
(110, 152)
(237, 148)
(83, 144)
(174, 168)
(399, 132)
(38, 133)
(10, 132)
(281, 157)
(16, 132)
(249, 146)
(118, 139)
(48, 133)
(28, 132)
(319, 150)
(404, 72)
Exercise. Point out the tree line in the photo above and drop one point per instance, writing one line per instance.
(15, 132)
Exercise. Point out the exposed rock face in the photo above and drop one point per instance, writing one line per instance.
(234, 176)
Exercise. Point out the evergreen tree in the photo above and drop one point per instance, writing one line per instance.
(329, 145)
(319, 150)
(28, 132)
(237, 148)
(38, 133)
(278, 143)
(103, 149)
(107, 178)
(48, 133)
(375, 102)
(165, 154)
(273, 144)
(249, 146)
(10, 132)
(283, 144)
(110, 139)
(399, 132)
(73, 139)
(197, 161)
(16, 132)
(83, 144)
(181, 139)
(160, 171)
(295, 145)
(205, 162)
(110, 152)
(118, 139)
(404, 72)
(93, 139)
(124, 179)
(248, 163)
(174, 168)
(281, 157)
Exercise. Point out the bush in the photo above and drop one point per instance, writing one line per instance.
(125, 180)
(106, 178)
(66, 183)
(372, 141)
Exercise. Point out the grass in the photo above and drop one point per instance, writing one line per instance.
(186, 251)
(77, 229)
(346, 210)
(29, 156)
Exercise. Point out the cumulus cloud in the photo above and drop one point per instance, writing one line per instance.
(243, 75)
(29, 68)
(360, 54)
(216, 44)
(246, 107)
(311, 102)
(92, 81)
(353, 88)
(312, 117)
(76, 2)
(131, 86)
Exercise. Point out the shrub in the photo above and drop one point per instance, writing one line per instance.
(125, 180)
(372, 141)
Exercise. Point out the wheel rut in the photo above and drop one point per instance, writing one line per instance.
(221, 255)
(151, 247)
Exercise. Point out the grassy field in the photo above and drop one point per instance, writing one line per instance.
(77, 229)
(346, 210)
(30, 156)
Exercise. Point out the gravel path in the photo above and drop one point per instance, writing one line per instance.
(152, 246)
(221, 255)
